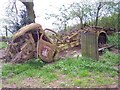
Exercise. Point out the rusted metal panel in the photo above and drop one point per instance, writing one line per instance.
(46, 50)
(32, 41)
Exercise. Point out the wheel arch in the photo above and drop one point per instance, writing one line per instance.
(102, 37)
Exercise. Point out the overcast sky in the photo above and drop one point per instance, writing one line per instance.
(41, 7)
(49, 6)
(45, 6)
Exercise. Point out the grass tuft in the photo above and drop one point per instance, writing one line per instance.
(114, 40)
(3, 45)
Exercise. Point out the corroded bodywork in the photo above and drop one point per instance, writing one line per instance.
(32, 41)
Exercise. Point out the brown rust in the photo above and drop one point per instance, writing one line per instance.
(32, 41)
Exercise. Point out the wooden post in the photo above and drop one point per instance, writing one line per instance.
(89, 45)
(6, 32)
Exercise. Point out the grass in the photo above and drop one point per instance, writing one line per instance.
(3, 45)
(110, 59)
(114, 39)
(74, 72)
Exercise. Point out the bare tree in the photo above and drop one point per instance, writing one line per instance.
(29, 7)
(100, 5)
(62, 17)
(16, 17)
(79, 10)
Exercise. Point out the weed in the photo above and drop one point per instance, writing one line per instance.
(77, 82)
(84, 73)
(110, 58)
(114, 39)
(46, 75)
(62, 84)
(3, 45)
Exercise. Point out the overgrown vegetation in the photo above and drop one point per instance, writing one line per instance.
(3, 45)
(71, 72)
(104, 14)
(114, 40)
(109, 22)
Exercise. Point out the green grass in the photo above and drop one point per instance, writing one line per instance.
(110, 59)
(74, 72)
(114, 39)
(3, 45)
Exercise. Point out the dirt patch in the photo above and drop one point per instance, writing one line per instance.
(70, 52)
(114, 50)
(76, 51)
(31, 83)
(9, 85)
(59, 83)
(25, 83)
(109, 86)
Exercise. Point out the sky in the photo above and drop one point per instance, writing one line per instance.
(48, 6)
(41, 7)
(45, 6)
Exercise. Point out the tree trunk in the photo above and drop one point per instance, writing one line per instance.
(97, 14)
(81, 23)
(6, 32)
(30, 11)
(96, 21)
(65, 27)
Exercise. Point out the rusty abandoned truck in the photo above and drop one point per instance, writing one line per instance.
(32, 41)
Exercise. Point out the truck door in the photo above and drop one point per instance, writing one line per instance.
(46, 49)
